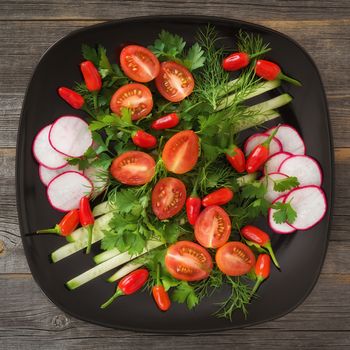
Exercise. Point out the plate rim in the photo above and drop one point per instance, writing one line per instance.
(20, 200)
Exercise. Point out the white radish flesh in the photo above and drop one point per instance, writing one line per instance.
(46, 174)
(283, 228)
(290, 139)
(65, 190)
(274, 162)
(269, 179)
(310, 204)
(44, 153)
(70, 135)
(256, 139)
(304, 168)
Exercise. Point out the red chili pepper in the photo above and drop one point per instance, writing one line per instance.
(236, 158)
(86, 219)
(91, 76)
(218, 197)
(74, 99)
(271, 71)
(255, 235)
(258, 156)
(193, 207)
(160, 295)
(238, 60)
(66, 226)
(166, 122)
(128, 285)
(143, 139)
(262, 270)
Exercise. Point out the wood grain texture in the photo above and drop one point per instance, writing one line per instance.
(28, 319)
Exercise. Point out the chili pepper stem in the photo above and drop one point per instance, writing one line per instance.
(259, 280)
(117, 294)
(269, 139)
(89, 230)
(56, 230)
(289, 79)
(259, 53)
(272, 254)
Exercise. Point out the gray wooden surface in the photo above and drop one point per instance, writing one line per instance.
(28, 319)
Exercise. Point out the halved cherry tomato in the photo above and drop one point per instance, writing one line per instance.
(181, 152)
(213, 227)
(174, 81)
(235, 259)
(188, 261)
(168, 197)
(136, 97)
(133, 168)
(139, 63)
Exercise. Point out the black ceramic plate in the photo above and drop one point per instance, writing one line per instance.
(301, 254)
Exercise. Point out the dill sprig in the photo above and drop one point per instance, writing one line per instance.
(252, 44)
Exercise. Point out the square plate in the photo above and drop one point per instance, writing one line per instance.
(301, 255)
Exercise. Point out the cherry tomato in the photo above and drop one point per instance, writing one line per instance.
(133, 168)
(136, 97)
(181, 152)
(188, 261)
(168, 197)
(139, 63)
(174, 81)
(218, 197)
(166, 122)
(235, 259)
(143, 139)
(213, 227)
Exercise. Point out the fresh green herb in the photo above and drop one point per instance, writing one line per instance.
(286, 184)
(284, 213)
(185, 293)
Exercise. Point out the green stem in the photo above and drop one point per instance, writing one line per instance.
(269, 139)
(259, 280)
(89, 230)
(94, 96)
(272, 254)
(158, 275)
(86, 109)
(56, 230)
(289, 79)
(117, 294)
(259, 53)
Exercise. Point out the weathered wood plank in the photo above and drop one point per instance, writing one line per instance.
(265, 9)
(320, 324)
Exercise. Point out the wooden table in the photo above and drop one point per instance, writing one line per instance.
(28, 319)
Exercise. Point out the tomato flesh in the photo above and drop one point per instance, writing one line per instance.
(136, 97)
(174, 81)
(139, 63)
(235, 259)
(133, 168)
(188, 261)
(168, 197)
(213, 227)
(181, 152)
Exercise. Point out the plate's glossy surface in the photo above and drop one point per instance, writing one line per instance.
(301, 255)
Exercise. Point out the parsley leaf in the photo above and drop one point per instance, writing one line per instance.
(255, 189)
(90, 54)
(195, 57)
(286, 184)
(168, 46)
(124, 200)
(184, 293)
(284, 213)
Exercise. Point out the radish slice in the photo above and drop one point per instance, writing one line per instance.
(271, 194)
(279, 228)
(46, 174)
(310, 204)
(256, 139)
(44, 153)
(65, 190)
(304, 168)
(70, 135)
(99, 178)
(290, 139)
(274, 162)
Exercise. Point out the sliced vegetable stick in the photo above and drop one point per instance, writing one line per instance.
(106, 255)
(108, 265)
(255, 120)
(126, 269)
(102, 208)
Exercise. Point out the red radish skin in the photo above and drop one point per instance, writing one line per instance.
(284, 228)
(56, 190)
(299, 198)
(271, 194)
(46, 174)
(70, 135)
(290, 139)
(256, 139)
(43, 152)
(273, 162)
(305, 168)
